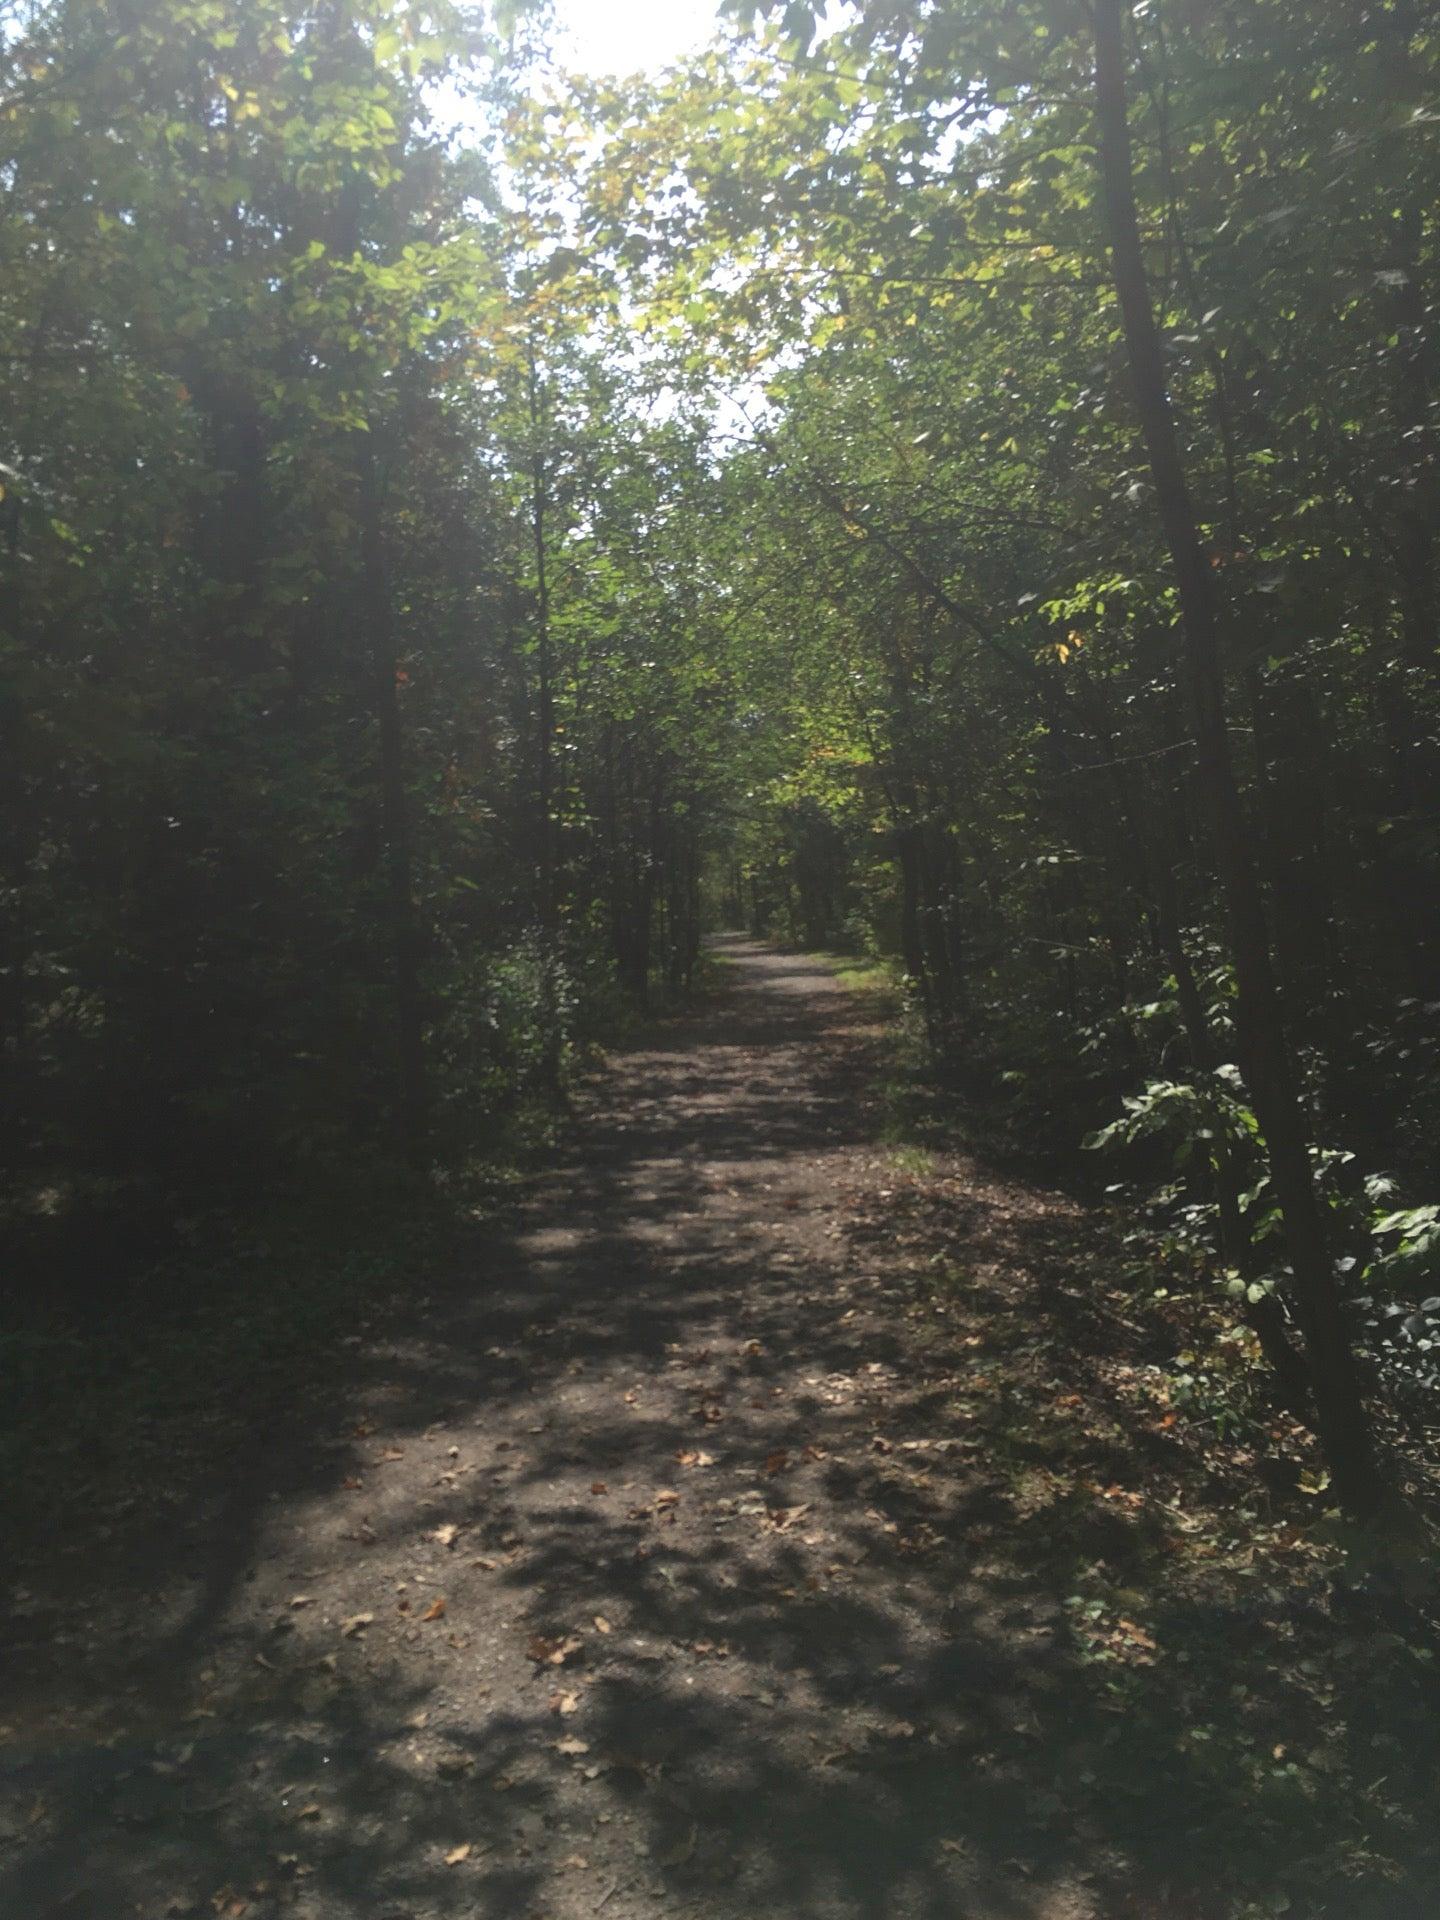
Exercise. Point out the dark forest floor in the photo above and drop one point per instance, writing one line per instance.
(764, 1521)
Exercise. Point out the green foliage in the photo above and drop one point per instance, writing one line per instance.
(441, 571)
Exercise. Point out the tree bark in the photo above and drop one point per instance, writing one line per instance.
(1264, 1055)
(394, 813)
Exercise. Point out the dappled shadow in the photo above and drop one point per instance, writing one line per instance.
(655, 1561)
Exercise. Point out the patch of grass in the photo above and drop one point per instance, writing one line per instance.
(910, 1157)
(863, 974)
(714, 972)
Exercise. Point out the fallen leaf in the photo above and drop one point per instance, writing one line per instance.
(782, 1517)
(693, 1457)
(436, 1609)
(598, 1486)
(357, 1623)
(778, 1461)
(447, 1534)
(570, 1745)
(546, 1651)
(302, 1600)
(564, 1703)
(677, 1854)
(457, 1854)
(602, 1625)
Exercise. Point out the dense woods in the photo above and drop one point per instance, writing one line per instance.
(719, 962)
(957, 483)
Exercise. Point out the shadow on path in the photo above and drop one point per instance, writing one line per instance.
(656, 1562)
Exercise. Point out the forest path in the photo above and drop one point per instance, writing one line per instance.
(673, 1560)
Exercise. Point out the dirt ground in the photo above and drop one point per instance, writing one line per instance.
(695, 1551)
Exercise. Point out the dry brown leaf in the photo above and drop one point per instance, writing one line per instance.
(357, 1623)
(446, 1535)
(436, 1609)
(694, 1457)
(457, 1854)
(598, 1486)
(782, 1517)
(777, 1461)
(548, 1651)
(564, 1703)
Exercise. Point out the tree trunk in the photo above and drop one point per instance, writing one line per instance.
(548, 900)
(1264, 1056)
(394, 812)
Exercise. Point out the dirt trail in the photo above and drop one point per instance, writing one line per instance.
(662, 1568)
